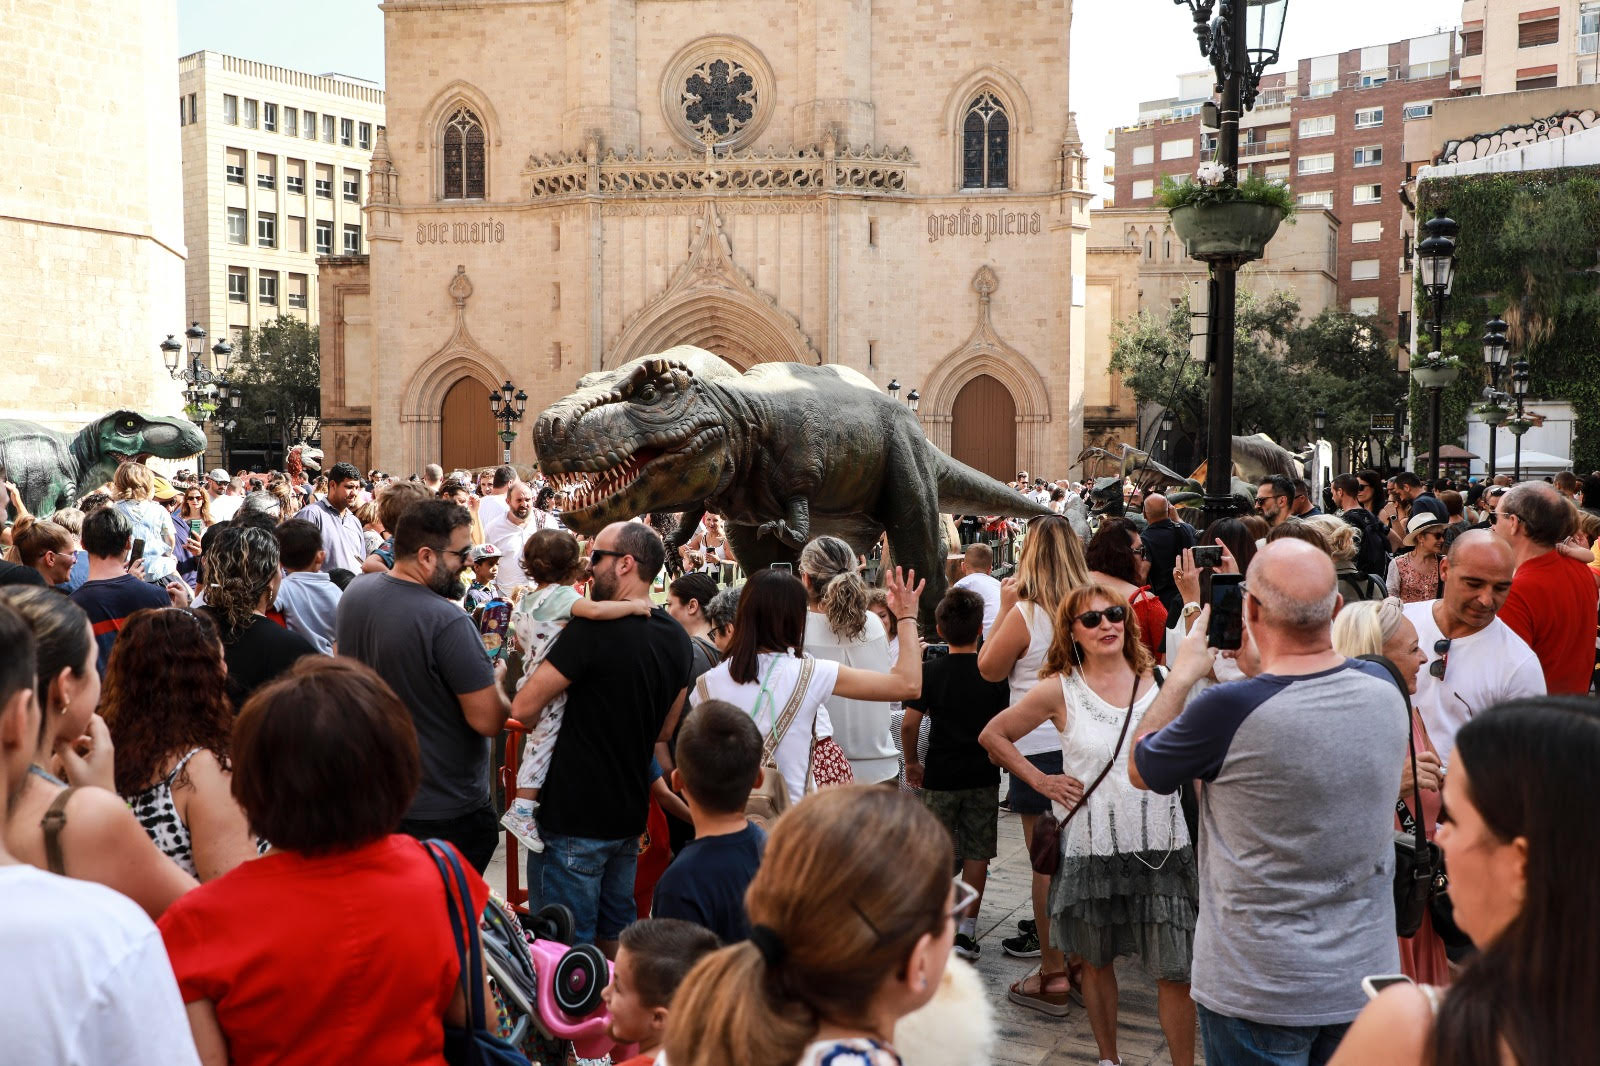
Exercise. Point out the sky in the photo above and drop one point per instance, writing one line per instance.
(1123, 51)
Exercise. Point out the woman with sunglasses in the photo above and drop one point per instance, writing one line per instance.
(1414, 576)
(1382, 628)
(1117, 560)
(1049, 567)
(840, 950)
(1127, 883)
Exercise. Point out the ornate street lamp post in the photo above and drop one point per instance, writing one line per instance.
(271, 419)
(1496, 349)
(507, 402)
(200, 383)
(913, 399)
(1241, 42)
(1436, 262)
(1519, 424)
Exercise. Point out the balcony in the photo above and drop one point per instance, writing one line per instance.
(1260, 151)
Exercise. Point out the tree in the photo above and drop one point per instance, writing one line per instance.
(279, 367)
(1284, 370)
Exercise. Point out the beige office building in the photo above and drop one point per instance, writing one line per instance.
(91, 230)
(889, 185)
(274, 175)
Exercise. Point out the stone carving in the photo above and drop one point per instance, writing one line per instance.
(804, 170)
(1507, 138)
(719, 98)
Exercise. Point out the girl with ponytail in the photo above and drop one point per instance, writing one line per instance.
(840, 628)
(845, 939)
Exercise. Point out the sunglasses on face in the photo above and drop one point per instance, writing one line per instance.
(459, 553)
(596, 554)
(1441, 648)
(1091, 619)
(1142, 552)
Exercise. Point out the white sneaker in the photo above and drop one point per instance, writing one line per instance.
(525, 829)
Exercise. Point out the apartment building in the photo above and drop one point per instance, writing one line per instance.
(1510, 45)
(274, 169)
(1333, 129)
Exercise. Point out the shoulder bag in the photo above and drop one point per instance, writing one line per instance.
(1417, 862)
(770, 798)
(53, 822)
(472, 1045)
(1045, 849)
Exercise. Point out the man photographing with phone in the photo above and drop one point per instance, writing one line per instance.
(1301, 762)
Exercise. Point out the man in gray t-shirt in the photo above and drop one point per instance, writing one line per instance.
(406, 626)
(1301, 764)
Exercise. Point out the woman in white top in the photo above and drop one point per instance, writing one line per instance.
(1127, 883)
(839, 627)
(767, 653)
(1051, 565)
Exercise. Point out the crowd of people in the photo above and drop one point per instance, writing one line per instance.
(230, 708)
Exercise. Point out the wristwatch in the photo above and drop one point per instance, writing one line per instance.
(1190, 609)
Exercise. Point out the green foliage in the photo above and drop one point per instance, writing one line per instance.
(279, 366)
(1284, 370)
(1252, 190)
(1527, 252)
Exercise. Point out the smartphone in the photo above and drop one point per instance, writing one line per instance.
(787, 568)
(1378, 982)
(195, 526)
(138, 551)
(1207, 555)
(1227, 612)
(933, 651)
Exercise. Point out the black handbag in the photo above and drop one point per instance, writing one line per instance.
(1418, 863)
(473, 1045)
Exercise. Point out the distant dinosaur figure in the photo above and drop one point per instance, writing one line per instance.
(302, 462)
(53, 469)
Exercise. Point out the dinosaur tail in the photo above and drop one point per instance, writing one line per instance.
(963, 490)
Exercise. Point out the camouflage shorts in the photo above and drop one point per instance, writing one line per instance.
(970, 814)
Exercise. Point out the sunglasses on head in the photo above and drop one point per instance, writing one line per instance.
(1091, 619)
(1441, 648)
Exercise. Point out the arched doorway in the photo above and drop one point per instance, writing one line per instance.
(983, 428)
(467, 428)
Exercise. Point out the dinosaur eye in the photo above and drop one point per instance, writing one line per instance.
(647, 394)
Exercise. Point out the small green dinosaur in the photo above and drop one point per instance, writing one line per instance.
(52, 469)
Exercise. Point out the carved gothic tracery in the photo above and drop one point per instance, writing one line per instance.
(719, 99)
(464, 156)
(771, 172)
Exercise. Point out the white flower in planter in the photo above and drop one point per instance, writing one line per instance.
(1210, 173)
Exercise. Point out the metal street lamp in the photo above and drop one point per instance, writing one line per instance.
(1320, 421)
(1436, 263)
(894, 389)
(200, 384)
(1241, 42)
(913, 399)
(1520, 376)
(507, 402)
(271, 419)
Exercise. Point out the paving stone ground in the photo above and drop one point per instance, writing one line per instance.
(1025, 1037)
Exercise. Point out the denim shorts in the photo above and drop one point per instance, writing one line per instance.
(1024, 800)
(593, 878)
(1239, 1042)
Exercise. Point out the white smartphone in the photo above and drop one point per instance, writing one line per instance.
(1378, 982)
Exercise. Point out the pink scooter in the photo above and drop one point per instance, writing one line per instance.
(568, 980)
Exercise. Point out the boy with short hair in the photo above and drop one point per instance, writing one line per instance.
(485, 563)
(719, 762)
(653, 958)
(307, 597)
(958, 781)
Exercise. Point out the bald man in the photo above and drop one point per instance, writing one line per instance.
(1302, 763)
(1164, 540)
(1475, 660)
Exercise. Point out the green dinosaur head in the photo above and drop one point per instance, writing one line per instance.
(643, 437)
(122, 436)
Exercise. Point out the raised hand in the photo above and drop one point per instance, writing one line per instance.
(903, 597)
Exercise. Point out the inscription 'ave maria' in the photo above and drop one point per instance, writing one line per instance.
(490, 232)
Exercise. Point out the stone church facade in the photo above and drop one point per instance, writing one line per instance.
(564, 185)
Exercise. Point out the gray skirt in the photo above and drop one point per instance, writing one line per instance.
(1104, 907)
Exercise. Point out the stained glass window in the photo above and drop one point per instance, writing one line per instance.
(986, 145)
(464, 156)
(719, 99)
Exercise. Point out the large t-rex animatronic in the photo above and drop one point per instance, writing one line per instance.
(53, 469)
(784, 453)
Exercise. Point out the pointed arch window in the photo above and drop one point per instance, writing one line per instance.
(464, 156)
(986, 145)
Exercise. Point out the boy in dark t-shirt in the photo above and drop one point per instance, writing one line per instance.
(719, 760)
(959, 783)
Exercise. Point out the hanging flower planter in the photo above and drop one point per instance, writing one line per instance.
(1436, 373)
(1236, 231)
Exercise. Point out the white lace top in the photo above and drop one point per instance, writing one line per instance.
(1119, 818)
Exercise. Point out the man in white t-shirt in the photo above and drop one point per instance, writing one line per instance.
(494, 504)
(977, 565)
(86, 977)
(1474, 659)
(508, 533)
(223, 505)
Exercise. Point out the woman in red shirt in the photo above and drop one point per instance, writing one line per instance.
(1117, 560)
(334, 946)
